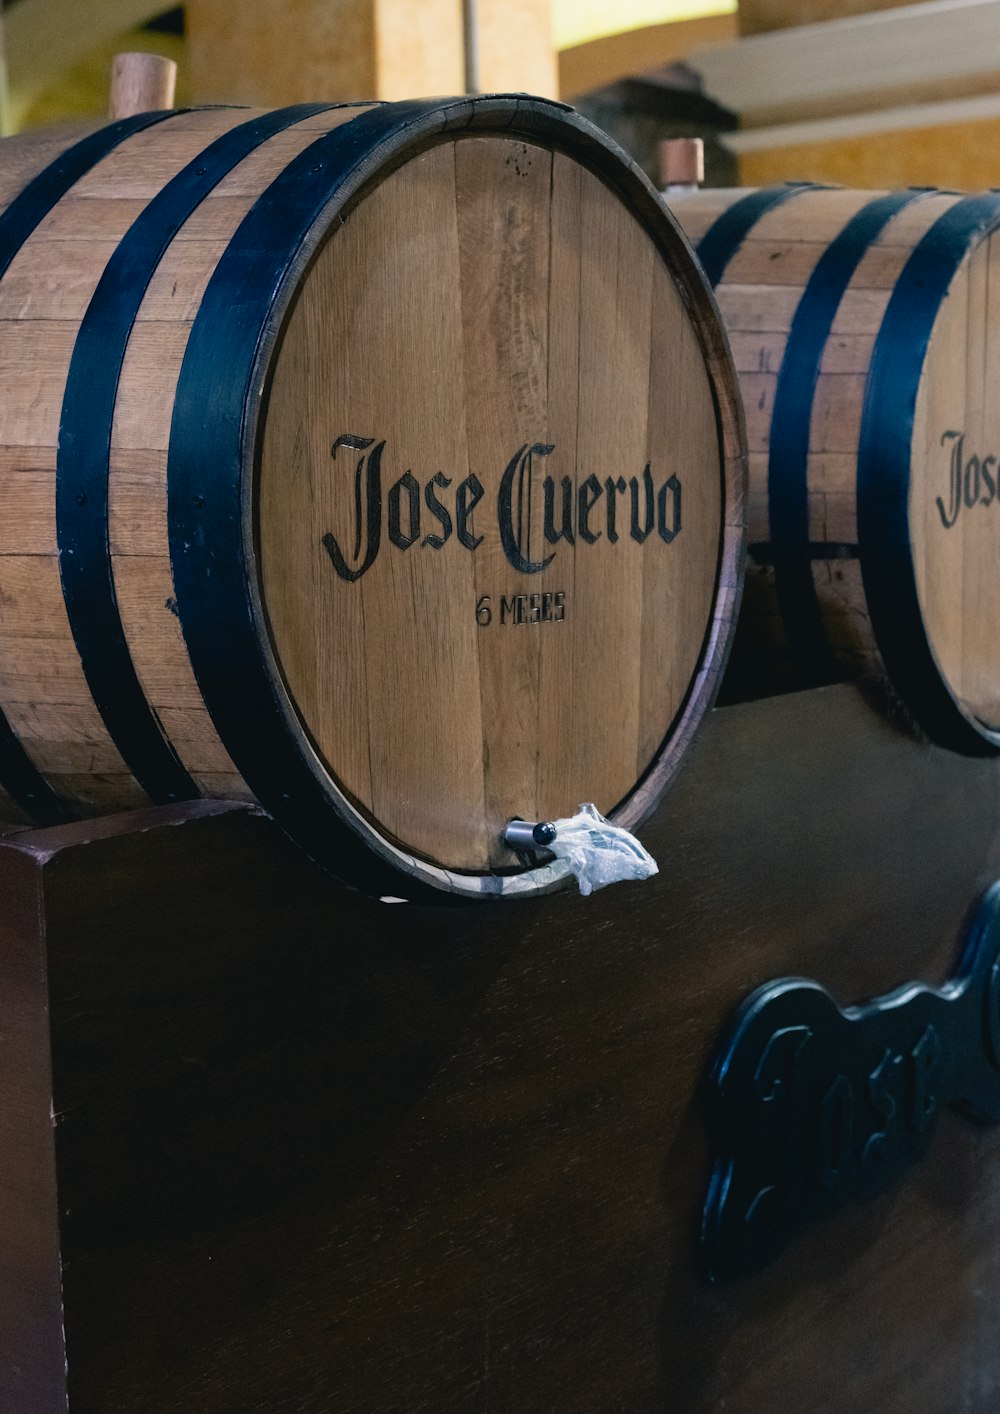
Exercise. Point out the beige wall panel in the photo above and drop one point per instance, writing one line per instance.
(418, 48)
(308, 50)
(348, 49)
(275, 54)
(516, 53)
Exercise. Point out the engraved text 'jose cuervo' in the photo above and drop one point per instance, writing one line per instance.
(971, 482)
(634, 509)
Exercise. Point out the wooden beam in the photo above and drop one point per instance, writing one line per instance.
(586, 67)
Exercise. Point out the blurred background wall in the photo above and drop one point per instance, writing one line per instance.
(863, 92)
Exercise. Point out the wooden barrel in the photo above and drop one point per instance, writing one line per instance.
(869, 358)
(378, 462)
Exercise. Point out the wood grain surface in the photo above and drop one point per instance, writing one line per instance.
(32, 1367)
(316, 1153)
(489, 296)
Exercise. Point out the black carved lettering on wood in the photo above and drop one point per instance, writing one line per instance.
(812, 1105)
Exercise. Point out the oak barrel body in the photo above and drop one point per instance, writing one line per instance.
(378, 462)
(866, 329)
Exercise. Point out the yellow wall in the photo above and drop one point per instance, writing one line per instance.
(580, 21)
(961, 155)
(82, 92)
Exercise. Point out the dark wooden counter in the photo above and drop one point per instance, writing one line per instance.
(324, 1156)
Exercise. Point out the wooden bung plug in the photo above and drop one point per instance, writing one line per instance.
(682, 162)
(141, 83)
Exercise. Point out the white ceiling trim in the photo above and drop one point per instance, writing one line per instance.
(927, 45)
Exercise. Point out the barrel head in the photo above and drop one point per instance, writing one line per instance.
(491, 495)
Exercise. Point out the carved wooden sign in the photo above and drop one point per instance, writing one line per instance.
(812, 1105)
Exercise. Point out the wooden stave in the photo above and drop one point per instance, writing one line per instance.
(83, 467)
(897, 640)
(26, 785)
(887, 561)
(201, 124)
(530, 117)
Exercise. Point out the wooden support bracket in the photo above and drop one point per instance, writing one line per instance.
(318, 1153)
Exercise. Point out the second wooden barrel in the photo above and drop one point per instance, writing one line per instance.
(381, 463)
(866, 330)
